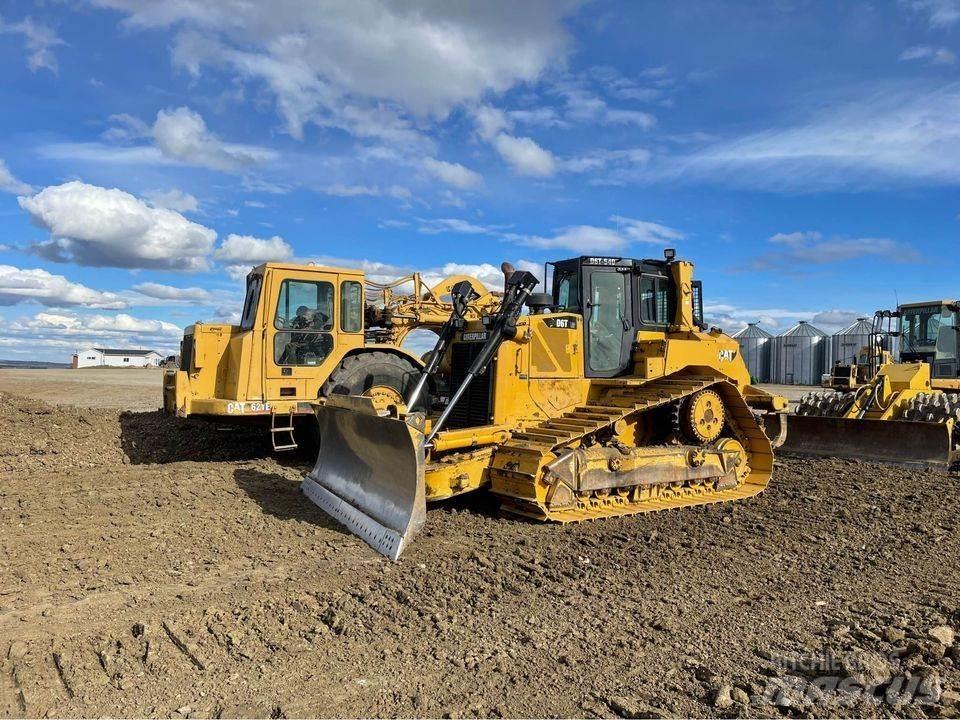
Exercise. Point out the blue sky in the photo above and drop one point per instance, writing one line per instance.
(806, 156)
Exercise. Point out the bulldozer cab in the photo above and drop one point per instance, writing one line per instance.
(617, 298)
(928, 333)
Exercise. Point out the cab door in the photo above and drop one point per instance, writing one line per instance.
(608, 319)
(301, 332)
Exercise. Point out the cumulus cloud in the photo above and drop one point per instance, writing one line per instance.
(9, 184)
(525, 156)
(22, 285)
(39, 40)
(489, 274)
(173, 199)
(364, 66)
(66, 332)
(182, 134)
(169, 292)
(453, 174)
(239, 253)
(91, 225)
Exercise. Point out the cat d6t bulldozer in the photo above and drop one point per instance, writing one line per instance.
(906, 412)
(608, 397)
(307, 332)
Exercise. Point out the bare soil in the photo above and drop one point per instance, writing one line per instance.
(154, 567)
(121, 388)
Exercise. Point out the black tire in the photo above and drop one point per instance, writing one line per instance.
(358, 373)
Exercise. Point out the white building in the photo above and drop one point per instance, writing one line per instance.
(113, 357)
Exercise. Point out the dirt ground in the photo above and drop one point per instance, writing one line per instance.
(121, 388)
(153, 567)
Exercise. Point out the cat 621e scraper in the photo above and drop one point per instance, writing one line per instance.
(609, 397)
(307, 332)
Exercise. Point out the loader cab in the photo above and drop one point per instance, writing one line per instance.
(617, 298)
(928, 333)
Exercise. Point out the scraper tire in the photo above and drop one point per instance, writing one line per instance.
(362, 373)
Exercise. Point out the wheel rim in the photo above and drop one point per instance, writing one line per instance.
(383, 396)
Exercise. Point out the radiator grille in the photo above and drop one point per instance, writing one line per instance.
(473, 409)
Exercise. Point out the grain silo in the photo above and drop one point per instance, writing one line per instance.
(755, 348)
(801, 355)
(847, 343)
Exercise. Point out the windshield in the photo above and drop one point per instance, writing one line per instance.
(920, 327)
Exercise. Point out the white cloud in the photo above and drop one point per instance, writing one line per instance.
(239, 253)
(579, 238)
(10, 184)
(254, 204)
(66, 332)
(491, 122)
(941, 13)
(125, 127)
(645, 231)
(181, 134)
(340, 190)
(525, 156)
(489, 274)
(936, 56)
(168, 292)
(20, 285)
(453, 174)
(363, 66)
(91, 225)
(907, 133)
(442, 225)
(39, 39)
(173, 199)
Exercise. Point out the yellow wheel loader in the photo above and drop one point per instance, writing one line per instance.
(908, 412)
(307, 332)
(608, 397)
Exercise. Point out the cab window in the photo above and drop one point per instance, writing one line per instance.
(250, 302)
(568, 292)
(304, 316)
(655, 298)
(351, 306)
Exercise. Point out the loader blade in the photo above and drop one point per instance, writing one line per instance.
(901, 442)
(369, 473)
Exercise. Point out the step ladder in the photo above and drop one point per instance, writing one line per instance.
(286, 440)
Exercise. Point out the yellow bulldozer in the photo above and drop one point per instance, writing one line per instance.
(307, 332)
(904, 412)
(607, 397)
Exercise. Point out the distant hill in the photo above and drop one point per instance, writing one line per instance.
(39, 364)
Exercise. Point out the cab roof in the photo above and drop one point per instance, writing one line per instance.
(307, 267)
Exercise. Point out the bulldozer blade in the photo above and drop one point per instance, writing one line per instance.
(900, 442)
(369, 472)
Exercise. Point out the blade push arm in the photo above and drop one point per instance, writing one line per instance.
(461, 294)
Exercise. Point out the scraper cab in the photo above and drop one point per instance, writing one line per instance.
(608, 396)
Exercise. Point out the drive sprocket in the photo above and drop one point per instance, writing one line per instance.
(702, 416)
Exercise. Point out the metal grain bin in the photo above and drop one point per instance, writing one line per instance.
(801, 355)
(755, 348)
(846, 344)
